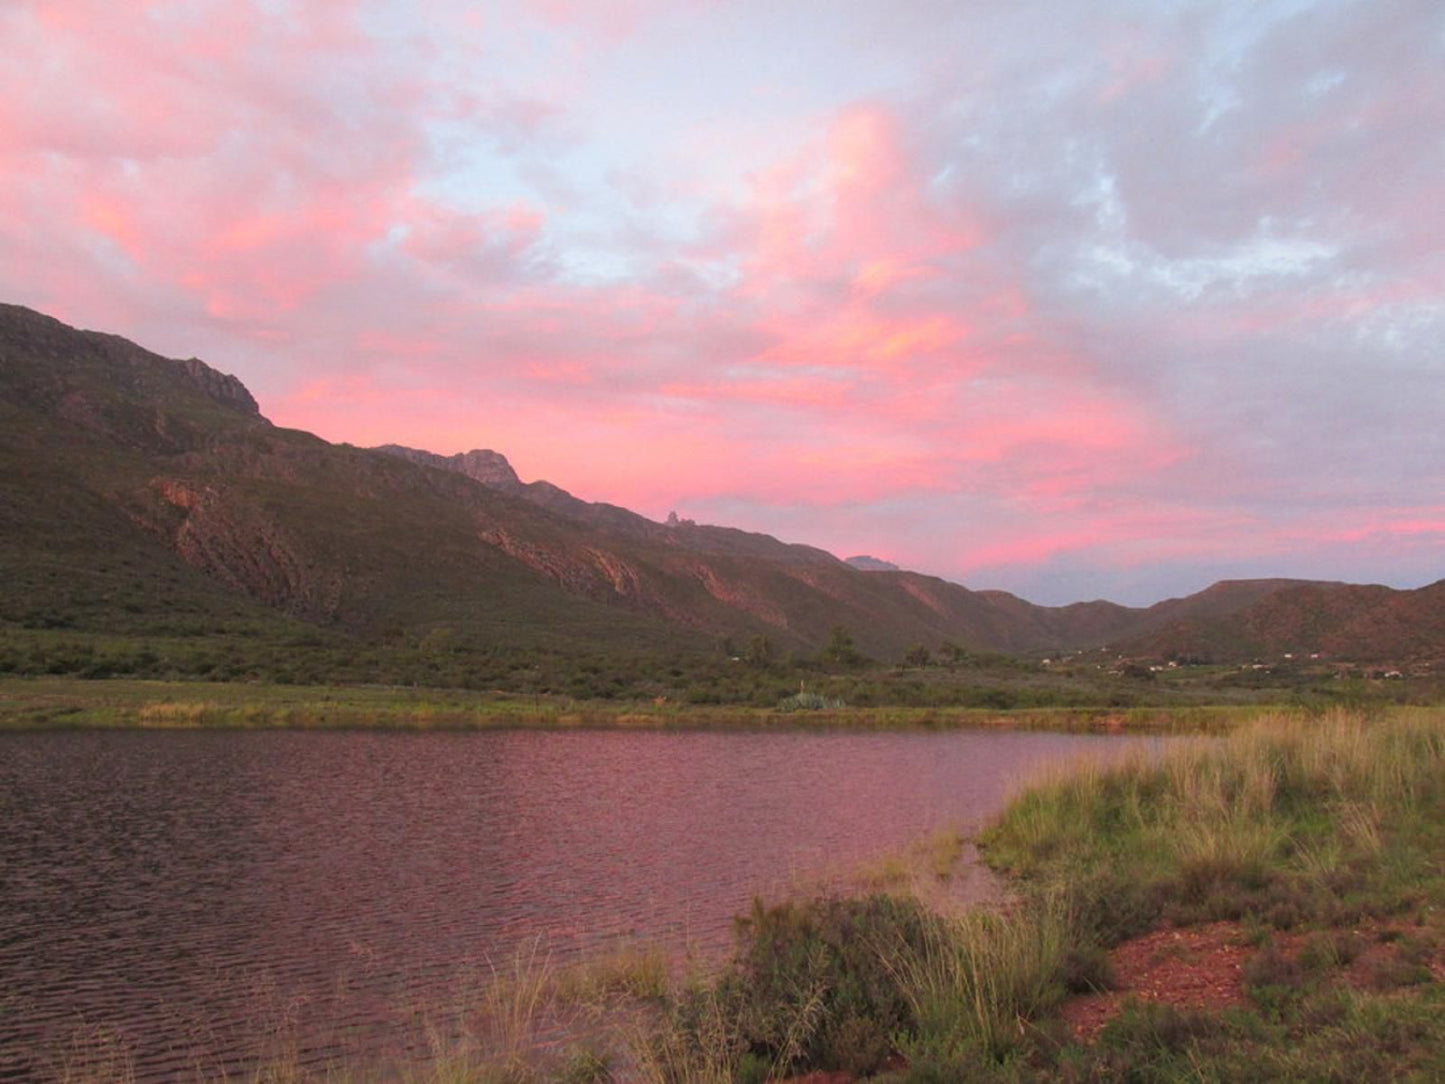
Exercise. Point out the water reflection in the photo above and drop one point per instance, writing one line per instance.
(195, 893)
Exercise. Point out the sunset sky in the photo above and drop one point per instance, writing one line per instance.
(1079, 300)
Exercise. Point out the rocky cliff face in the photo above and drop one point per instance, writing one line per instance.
(864, 563)
(221, 387)
(480, 464)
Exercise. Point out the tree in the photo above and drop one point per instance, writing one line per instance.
(918, 655)
(952, 654)
(839, 648)
(760, 651)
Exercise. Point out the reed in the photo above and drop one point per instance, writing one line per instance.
(981, 977)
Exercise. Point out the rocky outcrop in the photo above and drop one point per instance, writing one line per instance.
(220, 387)
(245, 549)
(864, 563)
(480, 464)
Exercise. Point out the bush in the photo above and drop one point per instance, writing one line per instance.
(1087, 969)
(813, 987)
(810, 702)
(1149, 1032)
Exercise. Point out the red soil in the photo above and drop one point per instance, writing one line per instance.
(1201, 968)
(1198, 968)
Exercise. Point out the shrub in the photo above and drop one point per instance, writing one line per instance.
(812, 986)
(1148, 1032)
(819, 989)
(1086, 969)
(806, 701)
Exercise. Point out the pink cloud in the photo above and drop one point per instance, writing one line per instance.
(406, 232)
(845, 363)
(1381, 526)
(1134, 63)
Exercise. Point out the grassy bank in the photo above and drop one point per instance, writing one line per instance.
(1313, 849)
(1296, 865)
(61, 703)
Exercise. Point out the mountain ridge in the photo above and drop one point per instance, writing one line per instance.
(107, 448)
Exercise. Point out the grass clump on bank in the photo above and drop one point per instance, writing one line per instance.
(1319, 840)
(1291, 821)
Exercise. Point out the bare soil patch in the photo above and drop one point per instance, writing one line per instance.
(1197, 968)
(1202, 968)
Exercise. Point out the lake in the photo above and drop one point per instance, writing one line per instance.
(186, 897)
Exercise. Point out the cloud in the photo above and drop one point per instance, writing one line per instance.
(1035, 295)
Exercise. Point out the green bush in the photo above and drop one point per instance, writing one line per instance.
(810, 702)
(822, 991)
(813, 986)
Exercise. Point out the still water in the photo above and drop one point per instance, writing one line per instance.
(185, 897)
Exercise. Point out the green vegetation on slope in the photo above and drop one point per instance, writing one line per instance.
(146, 499)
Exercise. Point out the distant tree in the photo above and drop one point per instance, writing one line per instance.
(918, 655)
(952, 654)
(839, 648)
(760, 651)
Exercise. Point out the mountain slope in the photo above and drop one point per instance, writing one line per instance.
(109, 450)
(800, 592)
(143, 493)
(1335, 620)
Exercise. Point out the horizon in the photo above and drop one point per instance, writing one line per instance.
(1107, 304)
(869, 556)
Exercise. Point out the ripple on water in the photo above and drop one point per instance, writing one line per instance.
(193, 901)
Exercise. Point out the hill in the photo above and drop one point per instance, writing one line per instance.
(141, 495)
(1335, 621)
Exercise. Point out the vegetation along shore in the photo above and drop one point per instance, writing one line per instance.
(1265, 905)
(65, 703)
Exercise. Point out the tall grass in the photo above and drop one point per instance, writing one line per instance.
(981, 977)
(1288, 795)
(1316, 821)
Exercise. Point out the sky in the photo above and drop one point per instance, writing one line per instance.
(1104, 300)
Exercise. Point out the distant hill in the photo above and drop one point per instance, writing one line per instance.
(864, 563)
(1333, 620)
(143, 494)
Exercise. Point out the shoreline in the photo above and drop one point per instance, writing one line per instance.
(1270, 906)
(32, 704)
(1265, 906)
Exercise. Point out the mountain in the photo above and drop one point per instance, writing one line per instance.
(141, 494)
(864, 563)
(1300, 618)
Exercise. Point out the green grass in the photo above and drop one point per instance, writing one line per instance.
(61, 702)
(1311, 825)
(933, 857)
